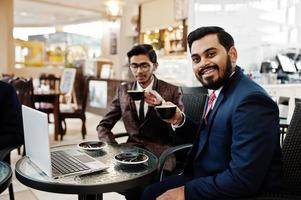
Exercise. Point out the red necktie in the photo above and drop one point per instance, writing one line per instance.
(209, 106)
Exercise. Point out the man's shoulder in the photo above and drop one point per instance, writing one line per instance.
(5, 87)
(162, 83)
(126, 85)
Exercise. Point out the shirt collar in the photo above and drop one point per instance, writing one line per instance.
(218, 91)
(148, 88)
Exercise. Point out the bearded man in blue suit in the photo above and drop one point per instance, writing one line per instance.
(237, 152)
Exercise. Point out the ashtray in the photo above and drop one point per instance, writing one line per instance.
(92, 145)
(131, 158)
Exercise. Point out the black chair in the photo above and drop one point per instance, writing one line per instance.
(291, 158)
(5, 156)
(291, 152)
(297, 100)
(51, 80)
(194, 100)
(79, 111)
(24, 90)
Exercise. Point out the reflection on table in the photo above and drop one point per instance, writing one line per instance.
(52, 97)
(118, 177)
(5, 176)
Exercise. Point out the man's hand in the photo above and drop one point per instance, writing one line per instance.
(177, 118)
(173, 194)
(153, 98)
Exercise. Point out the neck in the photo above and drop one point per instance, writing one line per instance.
(145, 84)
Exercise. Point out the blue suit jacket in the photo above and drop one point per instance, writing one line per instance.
(238, 153)
(11, 126)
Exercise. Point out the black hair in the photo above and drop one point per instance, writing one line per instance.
(145, 49)
(225, 39)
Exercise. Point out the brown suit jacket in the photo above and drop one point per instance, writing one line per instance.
(153, 133)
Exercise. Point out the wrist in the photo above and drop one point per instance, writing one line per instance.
(160, 103)
(179, 120)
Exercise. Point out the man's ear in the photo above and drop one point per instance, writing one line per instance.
(233, 55)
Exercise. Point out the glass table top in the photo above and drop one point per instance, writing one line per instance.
(116, 173)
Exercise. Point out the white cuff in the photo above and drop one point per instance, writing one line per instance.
(174, 126)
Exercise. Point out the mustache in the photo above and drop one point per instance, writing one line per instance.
(203, 69)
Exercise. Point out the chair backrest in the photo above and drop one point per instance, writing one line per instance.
(291, 152)
(283, 104)
(51, 80)
(85, 93)
(24, 90)
(194, 100)
(297, 100)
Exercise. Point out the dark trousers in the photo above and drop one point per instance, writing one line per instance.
(153, 191)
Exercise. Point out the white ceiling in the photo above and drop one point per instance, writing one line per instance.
(37, 13)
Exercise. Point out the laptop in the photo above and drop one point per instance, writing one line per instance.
(56, 164)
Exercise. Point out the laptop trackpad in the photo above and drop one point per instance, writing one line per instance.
(83, 158)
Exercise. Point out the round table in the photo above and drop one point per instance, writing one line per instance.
(116, 178)
(5, 176)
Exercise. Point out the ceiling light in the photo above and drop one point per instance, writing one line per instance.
(114, 9)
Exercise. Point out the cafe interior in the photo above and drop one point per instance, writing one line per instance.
(71, 57)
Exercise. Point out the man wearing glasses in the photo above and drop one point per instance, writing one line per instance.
(144, 127)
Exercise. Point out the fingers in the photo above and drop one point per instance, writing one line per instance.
(153, 98)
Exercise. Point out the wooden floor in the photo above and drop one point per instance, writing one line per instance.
(73, 135)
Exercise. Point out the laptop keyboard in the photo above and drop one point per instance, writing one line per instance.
(63, 164)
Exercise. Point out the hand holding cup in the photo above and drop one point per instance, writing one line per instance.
(170, 113)
(153, 98)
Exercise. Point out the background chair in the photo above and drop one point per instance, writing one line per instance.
(52, 83)
(194, 100)
(283, 103)
(50, 80)
(24, 90)
(79, 111)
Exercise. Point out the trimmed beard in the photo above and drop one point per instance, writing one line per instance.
(214, 85)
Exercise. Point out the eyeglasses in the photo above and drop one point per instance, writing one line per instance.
(142, 66)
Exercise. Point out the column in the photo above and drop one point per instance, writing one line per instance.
(7, 55)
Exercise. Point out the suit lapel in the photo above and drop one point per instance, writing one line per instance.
(221, 97)
(205, 134)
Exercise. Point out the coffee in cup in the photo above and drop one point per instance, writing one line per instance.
(136, 94)
(166, 111)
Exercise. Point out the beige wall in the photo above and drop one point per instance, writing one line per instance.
(34, 72)
(158, 14)
(6, 36)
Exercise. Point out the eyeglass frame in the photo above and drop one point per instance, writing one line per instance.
(144, 66)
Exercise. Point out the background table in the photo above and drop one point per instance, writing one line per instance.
(5, 176)
(54, 98)
(117, 178)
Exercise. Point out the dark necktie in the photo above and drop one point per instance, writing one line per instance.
(141, 110)
(209, 106)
